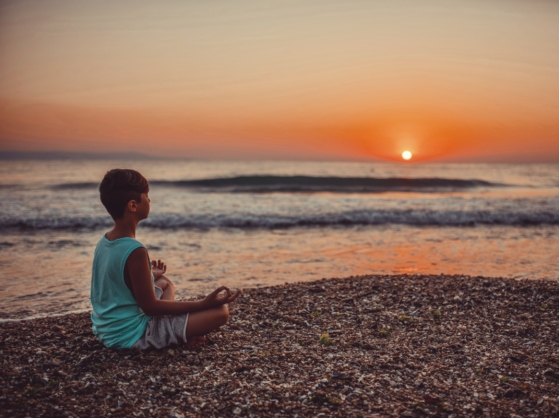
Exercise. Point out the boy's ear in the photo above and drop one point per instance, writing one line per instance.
(132, 206)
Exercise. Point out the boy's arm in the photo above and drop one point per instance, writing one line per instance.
(142, 287)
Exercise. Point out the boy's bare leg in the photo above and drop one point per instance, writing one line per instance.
(199, 323)
(196, 342)
(202, 322)
(167, 286)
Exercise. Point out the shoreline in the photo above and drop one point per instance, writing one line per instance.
(402, 345)
(45, 315)
(18, 317)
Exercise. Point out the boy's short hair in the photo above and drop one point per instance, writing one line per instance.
(120, 186)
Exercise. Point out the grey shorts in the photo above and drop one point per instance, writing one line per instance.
(162, 331)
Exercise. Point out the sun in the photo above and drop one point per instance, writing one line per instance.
(406, 155)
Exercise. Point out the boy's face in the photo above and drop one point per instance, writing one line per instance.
(143, 206)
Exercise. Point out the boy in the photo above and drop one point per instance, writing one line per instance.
(133, 302)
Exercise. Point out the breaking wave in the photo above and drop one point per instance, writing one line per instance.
(251, 221)
(309, 184)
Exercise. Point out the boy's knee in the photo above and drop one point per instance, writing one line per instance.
(223, 314)
(163, 282)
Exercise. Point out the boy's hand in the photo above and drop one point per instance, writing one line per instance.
(214, 300)
(158, 268)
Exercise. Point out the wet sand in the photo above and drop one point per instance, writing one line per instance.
(200, 261)
(404, 345)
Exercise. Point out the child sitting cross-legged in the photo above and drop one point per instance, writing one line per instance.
(133, 301)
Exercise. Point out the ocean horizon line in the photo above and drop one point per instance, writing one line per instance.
(15, 155)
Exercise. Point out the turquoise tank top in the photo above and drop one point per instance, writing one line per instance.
(117, 318)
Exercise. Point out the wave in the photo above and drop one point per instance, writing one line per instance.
(309, 184)
(348, 218)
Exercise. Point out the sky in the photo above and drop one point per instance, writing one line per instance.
(453, 80)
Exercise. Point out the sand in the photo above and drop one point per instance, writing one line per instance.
(360, 346)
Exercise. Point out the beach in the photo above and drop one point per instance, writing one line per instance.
(378, 345)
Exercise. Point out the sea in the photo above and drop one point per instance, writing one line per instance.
(247, 224)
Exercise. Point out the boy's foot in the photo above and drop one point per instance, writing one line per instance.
(195, 342)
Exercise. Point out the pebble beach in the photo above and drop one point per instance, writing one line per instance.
(405, 345)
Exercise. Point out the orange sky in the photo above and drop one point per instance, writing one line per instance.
(450, 81)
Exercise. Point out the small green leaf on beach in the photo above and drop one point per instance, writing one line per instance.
(325, 339)
(31, 391)
(504, 379)
(544, 305)
(405, 318)
(382, 332)
(437, 314)
(315, 314)
(52, 383)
